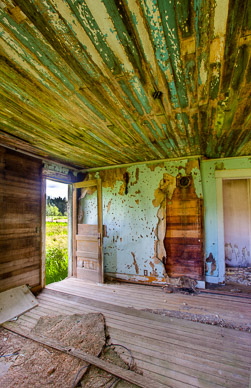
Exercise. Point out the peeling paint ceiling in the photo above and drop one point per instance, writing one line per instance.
(101, 82)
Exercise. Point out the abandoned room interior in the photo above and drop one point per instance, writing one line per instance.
(142, 107)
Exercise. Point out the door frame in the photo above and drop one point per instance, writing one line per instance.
(43, 231)
(79, 185)
(221, 175)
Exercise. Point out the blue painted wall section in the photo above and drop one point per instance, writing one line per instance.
(132, 219)
(135, 221)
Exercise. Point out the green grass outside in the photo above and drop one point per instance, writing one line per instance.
(58, 217)
(56, 265)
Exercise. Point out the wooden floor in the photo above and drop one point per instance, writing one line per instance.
(174, 352)
(231, 309)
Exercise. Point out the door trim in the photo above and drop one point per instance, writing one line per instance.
(43, 231)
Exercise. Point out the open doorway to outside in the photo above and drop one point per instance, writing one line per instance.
(56, 261)
(237, 230)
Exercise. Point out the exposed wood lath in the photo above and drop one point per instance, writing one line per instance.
(102, 82)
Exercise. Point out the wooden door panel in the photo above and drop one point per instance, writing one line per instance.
(87, 242)
(183, 211)
(181, 241)
(180, 232)
(186, 203)
(186, 251)
(87, 229)
(87, 252)
(184, 235)
(84, 244)
(170, 219)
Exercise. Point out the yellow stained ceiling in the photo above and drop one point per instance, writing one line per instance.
(93, 83)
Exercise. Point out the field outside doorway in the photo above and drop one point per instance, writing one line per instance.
(56, 264)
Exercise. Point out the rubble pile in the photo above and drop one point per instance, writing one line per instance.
(238, 275)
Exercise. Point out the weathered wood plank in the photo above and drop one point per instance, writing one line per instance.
(83, 184)
(173, 351)
(88, 255)
(20, 230)
(15, 302)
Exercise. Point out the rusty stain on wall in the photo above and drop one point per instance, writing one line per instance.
(153, 166)
(192, 164)
(135, 263)
(154, 271)
(210, 259)
(109, 206)
(136, 177)
(220, 166)
(122, 189)
(110, 177)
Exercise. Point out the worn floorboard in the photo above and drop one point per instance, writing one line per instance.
(174, 352)
(230, 309)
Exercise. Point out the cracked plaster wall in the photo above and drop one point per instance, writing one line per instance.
(134, 221)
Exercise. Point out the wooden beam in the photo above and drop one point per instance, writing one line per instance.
(107, 366)
(80, 185)
(155, 161)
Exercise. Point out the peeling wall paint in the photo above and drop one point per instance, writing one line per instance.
(136, 221)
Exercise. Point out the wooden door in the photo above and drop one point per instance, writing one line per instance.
(88, 239)
(184, 233)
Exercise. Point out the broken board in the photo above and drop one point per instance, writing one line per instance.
(15, 302)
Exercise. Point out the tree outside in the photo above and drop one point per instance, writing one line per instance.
(56, 206)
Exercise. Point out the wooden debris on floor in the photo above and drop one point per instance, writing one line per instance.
(95, 377)
(172, 352)
(15, 302)
(238, 275)
(37, 365)
(73, 344)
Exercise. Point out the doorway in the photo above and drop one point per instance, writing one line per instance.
(56, 240)
(237, 230)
